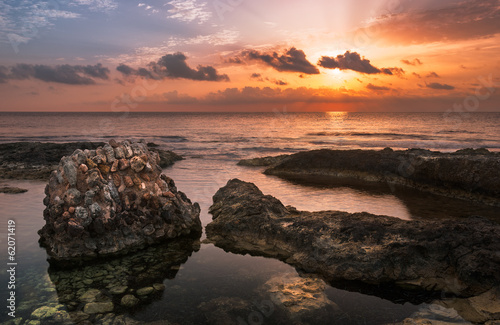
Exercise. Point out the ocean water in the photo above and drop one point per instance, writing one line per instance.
(212, 144)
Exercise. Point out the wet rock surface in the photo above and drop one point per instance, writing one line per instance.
(456, 257)
(36, 160)
(466, 174)
(98, 204)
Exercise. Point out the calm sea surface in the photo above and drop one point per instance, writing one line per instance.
(212, 144)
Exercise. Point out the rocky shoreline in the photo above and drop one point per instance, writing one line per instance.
(12, 189)
(467, 174)
(451, 257)
(36, 160)
(111, 201)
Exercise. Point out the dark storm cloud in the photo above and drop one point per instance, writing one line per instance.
(174, 66)
(65, 74)
(125, 69)
(438, 86)
(96, 71)
(292, 60)
(377, 88)
(412, 62)
(353, 61)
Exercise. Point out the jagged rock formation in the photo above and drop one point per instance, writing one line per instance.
(459, 257)
(110, 201)
(465, 174)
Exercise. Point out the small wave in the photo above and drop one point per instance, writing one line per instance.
(374, 134)
(457, 131)
(172, 138)
(432, 145)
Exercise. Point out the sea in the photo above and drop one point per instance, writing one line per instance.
(210, 285)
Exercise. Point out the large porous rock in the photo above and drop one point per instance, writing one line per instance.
(110, 201)
(459, 257)
(465, 174)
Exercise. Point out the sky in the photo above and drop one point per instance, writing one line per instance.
(250, 55)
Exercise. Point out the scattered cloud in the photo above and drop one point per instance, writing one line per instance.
(413, 62)
(292, 60)
(438, 86)
(250, 95)
(98, 5)
(173, 97)
(65, 74)
(394, 71)
(280, 82)
(468, 19)
(223, 37)
(256, 76)
(416, 75)
(432, 75)
(353, 61)
(189, 11)
(22, 21)
(3, 74)
(259, 77)
(173, 66)
(377, 88)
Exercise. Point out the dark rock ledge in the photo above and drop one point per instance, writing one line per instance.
(36, 160)
(111, 201)
(465, 174)
(12, 189)
(457, 257)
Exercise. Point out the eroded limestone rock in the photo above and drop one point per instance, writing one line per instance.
(459, 257)
(97, 205)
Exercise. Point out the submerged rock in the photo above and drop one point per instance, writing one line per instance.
(466, 174)
(459, 257)
(88, 216)
(302, 299)
(122, 284)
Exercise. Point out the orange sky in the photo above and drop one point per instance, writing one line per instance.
(252, 56)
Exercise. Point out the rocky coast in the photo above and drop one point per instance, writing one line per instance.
(457, 258)
(36, 160)
(110, 201)
(469, 174)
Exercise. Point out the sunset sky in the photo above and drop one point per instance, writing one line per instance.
(250, 55)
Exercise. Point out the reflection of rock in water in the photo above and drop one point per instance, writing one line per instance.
(99, 291)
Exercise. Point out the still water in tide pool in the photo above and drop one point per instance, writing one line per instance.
(197, 283)
(204, 284)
